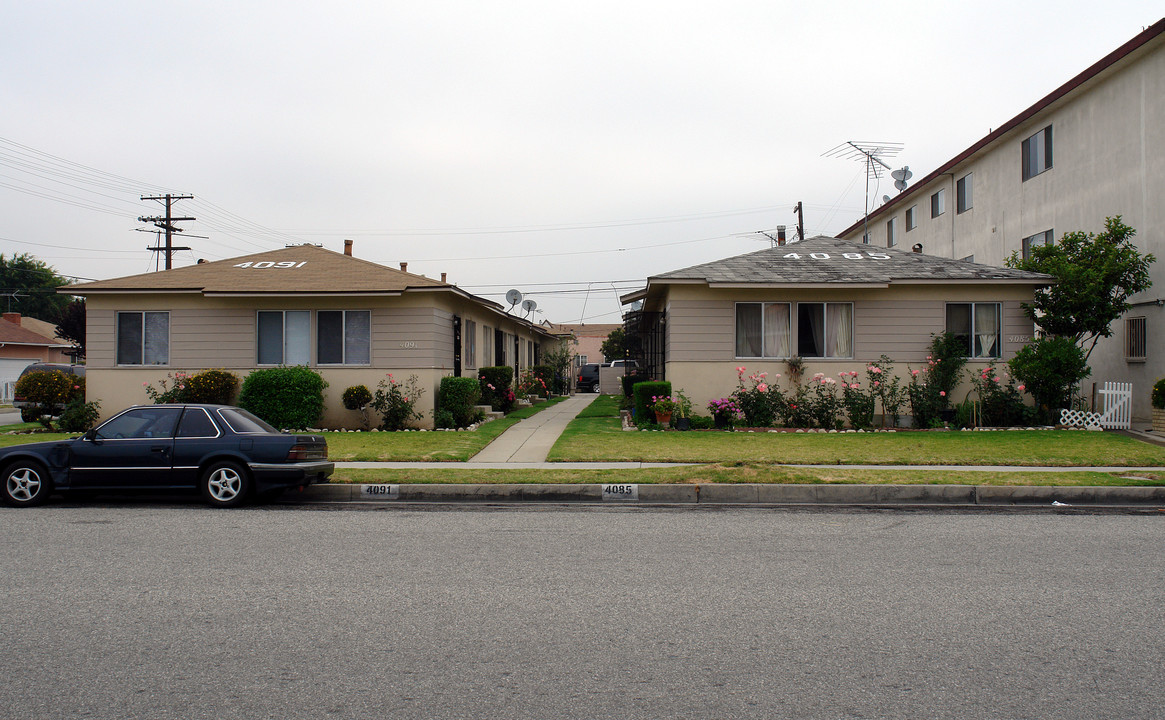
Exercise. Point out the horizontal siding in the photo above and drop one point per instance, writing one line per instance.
(212, 338)
(705, 330)
(416, 337)
(899, 329)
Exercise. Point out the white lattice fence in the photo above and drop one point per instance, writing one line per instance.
(1116, 409)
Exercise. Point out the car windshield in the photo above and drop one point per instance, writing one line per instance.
(243, 422)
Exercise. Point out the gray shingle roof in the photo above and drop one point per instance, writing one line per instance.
(823, 260)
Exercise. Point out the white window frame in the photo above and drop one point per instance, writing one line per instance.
(796, 340)
(974, 339)
(911, 218)
(938, 202)
(1036, 154)
(470, 345)
(345, 330)
(765, 354)
(283, 350)
(964, 194)
(144, 351)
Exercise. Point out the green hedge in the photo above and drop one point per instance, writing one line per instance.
(457, 397)
(642, 392)
(287, 397)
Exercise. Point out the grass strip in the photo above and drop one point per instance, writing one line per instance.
(744, 473)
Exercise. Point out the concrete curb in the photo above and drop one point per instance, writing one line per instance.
(735, 494)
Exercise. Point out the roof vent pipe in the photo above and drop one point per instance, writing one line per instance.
(917, 248)
(404, 267)
(348, 248)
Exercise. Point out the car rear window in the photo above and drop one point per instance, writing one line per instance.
(243, 422)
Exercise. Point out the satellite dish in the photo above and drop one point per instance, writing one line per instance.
(886, 198)
(529, 305)
(513, 297)
(901, 176)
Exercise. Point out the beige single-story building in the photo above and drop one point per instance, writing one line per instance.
(351, 320)
(834, 304)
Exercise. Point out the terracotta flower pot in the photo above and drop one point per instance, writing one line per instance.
(663, 418)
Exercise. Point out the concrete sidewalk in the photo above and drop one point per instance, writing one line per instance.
(531, 439)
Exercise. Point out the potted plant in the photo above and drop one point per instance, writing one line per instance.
(1158, 401)
(725, 412)
(664, 406)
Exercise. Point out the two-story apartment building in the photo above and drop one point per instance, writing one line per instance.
(1092, 148)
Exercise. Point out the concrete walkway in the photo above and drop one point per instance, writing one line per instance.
(531, 439)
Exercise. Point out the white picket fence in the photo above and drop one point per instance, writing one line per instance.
(1116, 409)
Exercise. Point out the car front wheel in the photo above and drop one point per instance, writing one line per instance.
(225, 484)
(26, 484)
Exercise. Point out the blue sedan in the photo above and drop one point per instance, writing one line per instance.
(224, 451)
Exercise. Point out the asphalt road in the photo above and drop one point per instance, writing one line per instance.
(176, 611)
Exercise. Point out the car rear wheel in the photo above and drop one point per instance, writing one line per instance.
(26, 483)
(225, 484)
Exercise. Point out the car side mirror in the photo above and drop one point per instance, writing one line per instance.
(91, 436)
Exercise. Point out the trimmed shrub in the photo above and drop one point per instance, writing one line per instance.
(495, 387)
(457, 396)
(642, 392)
(286, 397)
(1159, 394)
(208, 386)
(356, 397)
(1050, 369)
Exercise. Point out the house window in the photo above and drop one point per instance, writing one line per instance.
(1135, 339)
(470, 344)
(344, 337)
(969, 258)
(866, 239)
(891, 232)
(284, 337)
(762, 330)
(1037, 153)
(964, 199)
(978, 325)
(143, 338)
(938, 203)
(487, 346)
(1033, 241)
(911, 218)
(825, 330)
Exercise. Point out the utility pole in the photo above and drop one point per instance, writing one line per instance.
(167, 223)
(800, 221)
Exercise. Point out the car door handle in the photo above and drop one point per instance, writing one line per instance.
(161, 449)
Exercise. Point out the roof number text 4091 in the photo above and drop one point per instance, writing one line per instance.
(847, 256)
(269, 264)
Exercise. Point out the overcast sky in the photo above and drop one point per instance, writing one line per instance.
(566, 150)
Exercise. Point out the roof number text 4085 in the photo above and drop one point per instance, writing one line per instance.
(269, 264)
(847, 256)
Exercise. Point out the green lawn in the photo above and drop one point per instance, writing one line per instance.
(597, 435)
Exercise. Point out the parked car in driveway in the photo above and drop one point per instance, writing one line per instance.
(224, 451)
(588, 378)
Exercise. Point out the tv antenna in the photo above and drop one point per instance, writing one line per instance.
(870, 153)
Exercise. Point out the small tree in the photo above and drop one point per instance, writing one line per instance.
(615, 346)
(560, 357)
(71, 326)
(1049, 369)
(1095, 274)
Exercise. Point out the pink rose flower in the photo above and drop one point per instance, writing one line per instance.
(762, 387)
(943, 393)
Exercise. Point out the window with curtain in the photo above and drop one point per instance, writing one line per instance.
(143, 338)
(762, 330)
(825, 330)
(470, 344)
(284, 337)
(978, 324)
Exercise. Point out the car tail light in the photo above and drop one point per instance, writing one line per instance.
(307, 452)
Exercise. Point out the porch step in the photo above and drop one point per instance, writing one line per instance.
(489, 412)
